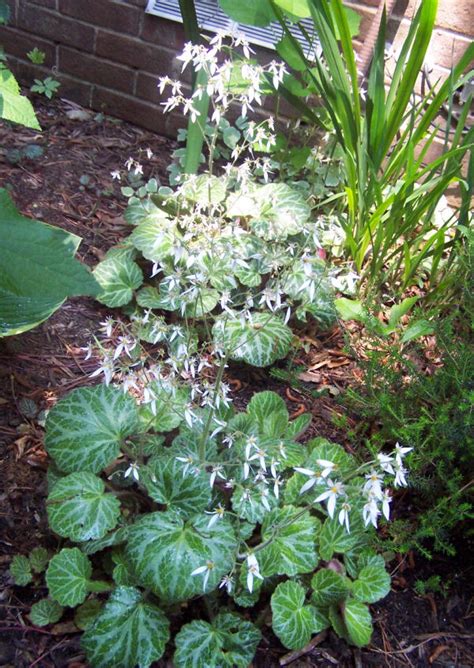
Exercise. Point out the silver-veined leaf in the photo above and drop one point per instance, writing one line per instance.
(259, 341)
(204, 189)
(155, 238)
(248, 504)
(118, 277)
(84, 430)
(79, 509)
(87, 612)
(68, 577)
(334, 538)
(281, 211)
(372, 584)
(164, 550)
(270, 412)
(167, 410)
(127, 632)
(329, 587)
(39, 558)
(45, 612)
(20, 570)
(358, 622)
(292, 621)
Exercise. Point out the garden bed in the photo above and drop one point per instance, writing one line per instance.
(69, 185)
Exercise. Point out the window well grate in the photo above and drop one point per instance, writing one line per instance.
(211, 17)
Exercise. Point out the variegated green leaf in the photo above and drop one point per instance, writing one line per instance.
(79, 508)
(358, 622)
(86, 613)
(143, 211)
(270, 412)
(45, 612)
(334, 538)
(84, 430)
(292, 621)
(164, 550)
(166, 412)
(128, 632)
(155, 238)
(259, 341)
(39, 558)
(372, 584)
(228, 642)
(282, 211)
(118, 277)
(165, 483)
(68, 577)
(292, 549)
(297, 426)
(249, 504)
(20, 570)
(329, 587)
(204, 189)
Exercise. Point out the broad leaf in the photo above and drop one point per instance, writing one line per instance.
(14, 106)
(334, 538)
(247, 502)
(350, 309)
(20, 570)
(84, 430)
(329, 587)
(167, 410)
(39, 558)
(45, 612)
(166, 484)
(292, 621)
(372, 584)
(358, 622)
(249, 12)
(270, 412)
(144, 211)
(128, 631)
(229, 641)
(155, 238)
(87, 612)
(297, 8)
(163, 551)
(38, 270)
(292, 549)
(259, 341)
(297, 426)
(79, 508)
(118, 277)
(282, 212)
(204, 189)
(68, 577)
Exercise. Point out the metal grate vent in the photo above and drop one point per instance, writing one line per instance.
(212, 18)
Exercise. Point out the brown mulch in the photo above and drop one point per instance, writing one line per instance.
(43, 364)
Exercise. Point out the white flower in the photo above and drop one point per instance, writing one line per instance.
(260, 455)
(217, 514)
(400, 480)
(400, 453)
(216, 471)
(264, 499)
(253, 571)
(88, 350)
(277, 482)
(385, 463)
(133, 471)
(315, 477)
(227, 582)
(386, 501)
(188, 461)
(116, 175)
(344, 515)
(373, 486)
(107, 326)
(371, 512)
(206, 570)
(334, 490)
(327, 466)
(107, 368)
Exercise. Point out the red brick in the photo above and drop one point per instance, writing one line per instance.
(135, 53)
(147, 88)
(162, 32)
(128, 108)
(57, 28)
(95, 70)
(137, 3)
(18, 43)
(111, 15)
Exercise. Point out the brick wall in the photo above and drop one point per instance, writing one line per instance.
(108, 54)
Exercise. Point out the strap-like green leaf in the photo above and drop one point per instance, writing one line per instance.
(79, 508)
(127, 632)
(84, 430)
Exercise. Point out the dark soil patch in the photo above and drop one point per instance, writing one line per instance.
(43, 364)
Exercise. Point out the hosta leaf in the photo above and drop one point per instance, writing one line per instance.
(358, 622)
(84, 430)
(127, 632)
(292, 549)
(334, 538)
(292, 621)
(259, 342)
(165, 483)
(79, 508)
(45, 612)
(329, 587)
(86, 613)
(68, 577)
(282, 211)
(39, 558)
(247, 502)
(14, 106)
(168, 409)
(228, 641)
(20, 570)
(270, 412)
(155, 239)
(38, 270)
(118, 277)
(372, 584)
(163, 551)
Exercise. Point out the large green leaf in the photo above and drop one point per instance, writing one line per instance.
(259, 341)
(165, 483)
(68, 577)
(84, 430)
(372, 584)
(128, 632)
(249, 12)
(334, 538)
(292, 549)
(164, 551)
(204, 189)
(270, 412)
(79, 508)
(155, 238)
(14, 106)
(45, 612)
(38, 270)
(118, 276)
(229, 641)
(329, 587)
(293, 621)
(358, 622)
(281, 211)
